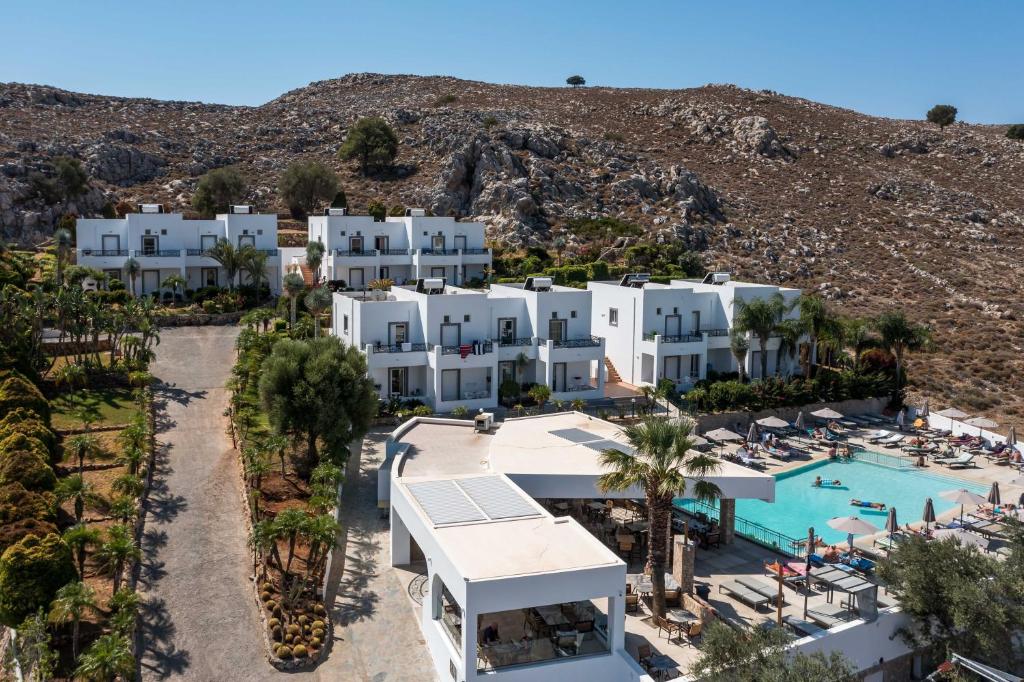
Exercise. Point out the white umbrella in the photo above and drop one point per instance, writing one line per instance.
(961, 535)
(962, 497)
(723, 435)
(981, 423)
(826, 413)
(698, 441)
(952, 413)
(772, 423)
(752, 433)
(799, 423)
(853, 525)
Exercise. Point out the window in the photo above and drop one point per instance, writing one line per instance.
(163, 232)
(207, 241)
(259, 231)
(572, 314)
(465, 318)
(613, 317)
(581, 631)
(447, 319)
(209, 277)
(554, 315)
(675, 310)
(657, 311)
(344, 324)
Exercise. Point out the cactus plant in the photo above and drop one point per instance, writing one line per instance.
(276, 633)
(320, 610)
(299, 651)
(284, 652)
(265, 596)
(315, 642)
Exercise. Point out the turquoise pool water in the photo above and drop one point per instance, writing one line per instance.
(798, 504)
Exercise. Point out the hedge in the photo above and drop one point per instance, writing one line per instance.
(17, 502)
(17, 391)
(764, 394)
(25, 421)
(28, 468)
(19, 441)
(31, 572)
(11, 533)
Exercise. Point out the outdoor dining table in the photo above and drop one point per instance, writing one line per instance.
(681, 616)
(551, 615)
(561, 506)
(636, 580)
(660, 664)
(638, 526)
(836, 578)
(597, 506)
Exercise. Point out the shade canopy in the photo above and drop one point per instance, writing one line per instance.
(961, 535)
(962, 496)
(928, 516)
(799, 423)
(826, 413)
(698, 441)
(891, 524)
(993, 494)
(752, 433)
(852, 524)
(982, 422)
(723, 435)
(952, 413)
(772, 423)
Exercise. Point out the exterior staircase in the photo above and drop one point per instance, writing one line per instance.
(307, 274)
(611, 374)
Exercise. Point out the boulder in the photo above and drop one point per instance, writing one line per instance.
(123, 165)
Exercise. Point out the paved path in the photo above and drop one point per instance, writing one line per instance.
(200, 622)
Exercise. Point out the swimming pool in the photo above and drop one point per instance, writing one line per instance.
(798, 504)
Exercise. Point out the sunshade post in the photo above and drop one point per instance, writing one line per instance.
(807, 570)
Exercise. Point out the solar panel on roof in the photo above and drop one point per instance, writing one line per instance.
(575, 435)
(602, 445)
(496, 497)
(444, 502)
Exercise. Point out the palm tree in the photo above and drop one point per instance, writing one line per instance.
(72, 376)
(314, 259)
(73, 601)
(254, 263)
(225, 253)
(317, 301)
(760, 317)
(738, 346)
(118, 549)
(128, 484)
(559, 246)
(321, 532)
(263, 539)
(294, 285)
(80, 538)
(279, 445)
(857, 338)
(76, 488)
(659, 463)
(122, 509)
(131, 268)
(789, 332)
(62, 240)
(174, 282)
(82, 446)
(124, 605)
(131, 457)
(109, 657)
(899, 335)
(817, 320)
(289, 523)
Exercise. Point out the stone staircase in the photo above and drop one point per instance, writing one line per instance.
(307, 274)
(611, 374)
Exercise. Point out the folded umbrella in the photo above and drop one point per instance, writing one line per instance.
(891, 524)
(928, 516)
(993, 494)
(752, 433)
(923, 412)
(799, 423)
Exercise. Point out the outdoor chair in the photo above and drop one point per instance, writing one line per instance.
(643, 652)
(668, 627)
(713, 538)
(694, 632)
(632, 603)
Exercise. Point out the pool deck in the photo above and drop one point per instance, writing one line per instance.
(1011, 481)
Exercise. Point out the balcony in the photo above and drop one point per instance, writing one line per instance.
(399, 348)
(162, 253)
(674, 338)
(104, 252)
(269, 252)
(348, 253)
(476, 252)
(439, 252)
(485, 347)
(715, 332)
(508, 342)
(582, 342)
(197, 252)
(394, 252)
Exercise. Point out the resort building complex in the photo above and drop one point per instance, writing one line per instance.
(359, 249)
(680, 330)
(449, 346)
(162, 244)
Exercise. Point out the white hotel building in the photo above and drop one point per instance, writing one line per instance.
(165, 244)
(450, 346)
(680, 330)
(359, 249)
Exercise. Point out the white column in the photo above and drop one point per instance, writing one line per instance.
(401, 545)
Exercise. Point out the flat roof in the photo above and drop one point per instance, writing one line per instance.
(444, 449)
(570, 444)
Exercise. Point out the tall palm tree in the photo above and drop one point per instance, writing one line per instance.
(254, 263)
(278, 445)
(118, 549)
(760, 317)
(662, 458)
(290, 523)
(76, 488)
(789, 332)
(263, 539)
(80, 538)
(739, 347)
(72, 376)
(559, 246)
(62, 241)
(128, 484)
(225, 253)
(132, 268)
(317, 301)
(314, 259)
(108, 658)
(817, 320)
(321, 533)
(122, 509)
(899, 335)
(857, 338)
(82, 445)
(294, 285)
(73, 601)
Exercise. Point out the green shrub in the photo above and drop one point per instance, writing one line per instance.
(209, 307)
(17, 502)
(460, 411)
(1016, 131)
(31, 572)
(19, 441)
(422, 411)
(24, 421)
(442, 100)
(28, 468)
(11, 533)
(17, 391)
(489, 121)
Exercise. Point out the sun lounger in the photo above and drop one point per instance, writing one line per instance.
(892, 442)
(762, 587)
(802, 627)
(871, 419)
(743, 593)
(961, 462)
(882, 436)
(776, 453)
(827, 615)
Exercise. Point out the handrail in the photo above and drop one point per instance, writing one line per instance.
(485, 347)
(715, 332)
(750, 530)
(104, 252)
(159, 253)
(364, 253)
(674, 338)
(475, 252)
(522, 341)
(577, 389)
(393, 252)
(439, 252)
(884, 459)
(582, 342)
(398, 348)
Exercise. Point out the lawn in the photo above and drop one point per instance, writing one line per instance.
(105, 406)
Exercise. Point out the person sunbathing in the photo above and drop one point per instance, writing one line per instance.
(831, 555)
(818, 433)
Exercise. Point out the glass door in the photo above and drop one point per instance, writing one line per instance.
(245, 240)
(673, 325)
(381, 244)
(556, 330)
(672, 367)
(355, 244)
(695, 319)
(558, 377)
(506, 329)
(451, 334)
(437, 242)
(150, 245)
(398, 332)
(398, 383)
(111, 244)
(460, 242)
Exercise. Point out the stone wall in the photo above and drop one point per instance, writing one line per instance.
(740, 421)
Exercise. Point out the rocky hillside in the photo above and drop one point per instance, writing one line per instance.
(870, 212)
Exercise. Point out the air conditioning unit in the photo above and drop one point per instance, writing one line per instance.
(335, 211)
(415, 212)
(483, 421)
(151, 208)
(538, 284)
(406, 347)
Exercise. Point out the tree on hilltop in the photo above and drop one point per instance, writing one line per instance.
(305, 185)
(576, 81)
(1016, 131)
(942, 115)
(218, 189)
(373, 142)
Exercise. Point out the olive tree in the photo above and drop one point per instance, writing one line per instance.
(576, 81)
(942, 115)
(218, 189)
(373, 142)
(305, 185)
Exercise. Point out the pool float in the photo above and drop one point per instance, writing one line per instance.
(867, 505)
(827, 483)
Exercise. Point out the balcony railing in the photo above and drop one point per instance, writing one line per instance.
(524, 341)
(577, 389)
(398, 348)
(269, 252)
(715, 332)
(161, 253)
(476, 252)
(485, 347)
(439, 252)
(104, 252)
(583, 342)
(394, 252)
(674, 338)
(197, 252)
(364, 253)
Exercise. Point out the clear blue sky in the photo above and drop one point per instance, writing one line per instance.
(892, 58)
